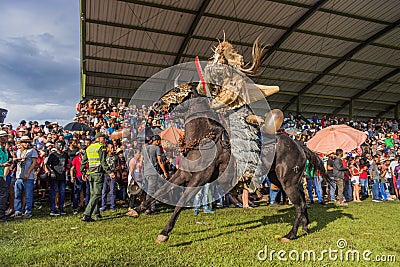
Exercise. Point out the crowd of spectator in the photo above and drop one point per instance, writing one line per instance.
(49, 158)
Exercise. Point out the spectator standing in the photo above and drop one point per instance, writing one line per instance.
(3, 165)
(57, 167)
(375, 175)
(202, 198)
(338, 174)
(80, 183)
(122, 175)
(395, 174)
(313, 183)
(364, 180)
(329, 168)
(153, 165)
(348, 188)
(109, 184)
(383, 170)
(134, 180)
(355, 179)
(26, 163)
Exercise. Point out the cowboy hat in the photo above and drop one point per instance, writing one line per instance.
(99, 134)
(4, 134)
(25, 139)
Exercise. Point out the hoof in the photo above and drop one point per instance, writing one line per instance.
(285, 240)
(161, 238)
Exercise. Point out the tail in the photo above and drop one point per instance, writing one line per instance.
(316, 162)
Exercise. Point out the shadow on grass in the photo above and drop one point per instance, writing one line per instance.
(322, 215)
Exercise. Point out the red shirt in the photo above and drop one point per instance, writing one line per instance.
(77, 162)
(363, 172)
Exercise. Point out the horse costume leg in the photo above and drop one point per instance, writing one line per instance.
(187, 195)
(286, 173)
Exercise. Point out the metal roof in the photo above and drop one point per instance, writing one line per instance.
(326, 55)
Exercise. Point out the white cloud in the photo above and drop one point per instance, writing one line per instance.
(39, 59)
(40, 112)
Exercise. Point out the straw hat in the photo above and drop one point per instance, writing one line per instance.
(4, 134)
(25, 139)
(49, 144)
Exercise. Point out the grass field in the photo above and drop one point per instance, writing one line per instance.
(230, 237)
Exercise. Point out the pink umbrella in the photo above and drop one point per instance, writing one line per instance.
(336, 136)
(172, 134)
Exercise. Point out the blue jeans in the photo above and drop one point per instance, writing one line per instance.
(112, 190)
(364, 187)
(382, 189)
(80, 185)
(348, 190)
(376, 189)
(21, 186)
(57, 186)
(151, 182)
(3, 197)
(317, 186)
(332, 190)
(202, 197)
(8, 180)
(272, 195)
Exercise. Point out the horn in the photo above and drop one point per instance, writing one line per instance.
(268, 90)
(176, 83)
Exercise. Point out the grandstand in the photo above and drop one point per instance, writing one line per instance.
(327, 56)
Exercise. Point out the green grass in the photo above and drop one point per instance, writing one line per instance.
(232, 237)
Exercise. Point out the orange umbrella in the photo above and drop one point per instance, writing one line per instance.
(117, 134)
(336, 136)
(172, 134)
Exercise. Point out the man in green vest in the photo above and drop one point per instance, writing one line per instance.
(94, 167)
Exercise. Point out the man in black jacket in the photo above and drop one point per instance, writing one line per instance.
(57, 166)
(338, 174)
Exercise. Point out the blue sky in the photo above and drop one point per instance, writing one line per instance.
(39, 59)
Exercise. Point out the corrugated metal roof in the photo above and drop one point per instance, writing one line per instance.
(127, 41)
(263, 11)
(391, 38)
(388, 11)
(318, 44)
(341, 26)
(379, 55)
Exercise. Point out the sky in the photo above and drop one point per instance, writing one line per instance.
(39, 59)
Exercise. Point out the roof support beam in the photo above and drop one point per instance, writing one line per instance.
(129, 62)
(326, 10)
(190, 32)
(160, 52)
(368, 88)
(83, 47)
(204, 38)
(292, 28)
(395, 106)
(286, 2)
(346, 57)
(115, 76)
